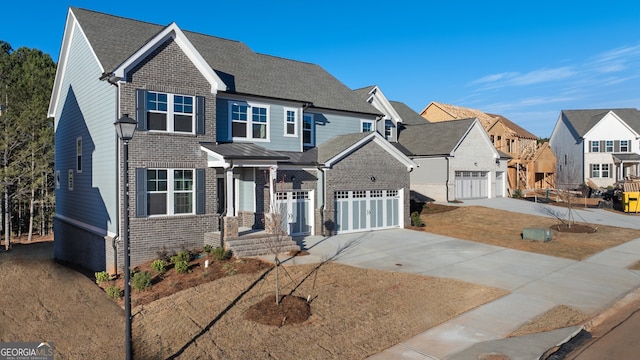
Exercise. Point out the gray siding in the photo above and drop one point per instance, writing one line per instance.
(87, 110)
(569, 150)
(330, 125)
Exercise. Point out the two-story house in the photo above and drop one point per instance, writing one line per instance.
(225, 136)
(600, 146)
(532, 164)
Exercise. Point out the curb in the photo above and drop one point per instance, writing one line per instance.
(582, 335)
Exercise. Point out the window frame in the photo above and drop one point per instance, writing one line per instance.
(249, 121)
(595, 146)
(626, 146)
(371, 123)
(79, 154)
(171, 112)
(311, 130)
(170, 192)
(608, 146)
(287, 122)
(595, 171)
(604, 171)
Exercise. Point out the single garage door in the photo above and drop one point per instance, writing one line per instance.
(471, 185)
(362, 210)
(297, 207)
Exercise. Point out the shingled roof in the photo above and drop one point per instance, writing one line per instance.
(583, 120)
(114, 39)
(409, 117)
(438, 138)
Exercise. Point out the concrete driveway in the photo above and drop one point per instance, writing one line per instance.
(537, 283)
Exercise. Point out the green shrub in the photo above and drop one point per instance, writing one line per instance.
(159, 265)
(182, 266)
(219, 254)
(141, 280)
(181, 256)
(229, 269)
(207, 248)
(102, 276)
(415, 219)
(517, 193)
(114, 292)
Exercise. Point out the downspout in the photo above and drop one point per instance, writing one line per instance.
(447, 180)
(324, 199)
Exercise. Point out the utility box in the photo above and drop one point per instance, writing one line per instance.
(536, 234)
(630, 201)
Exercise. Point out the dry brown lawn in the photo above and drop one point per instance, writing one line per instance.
(504, 228)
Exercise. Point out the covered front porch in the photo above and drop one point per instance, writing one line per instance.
(627, 166)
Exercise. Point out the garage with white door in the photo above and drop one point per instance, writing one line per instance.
(362, 210)
(472, 185)
(297, 207)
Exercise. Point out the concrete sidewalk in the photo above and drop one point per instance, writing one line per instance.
(537, 284)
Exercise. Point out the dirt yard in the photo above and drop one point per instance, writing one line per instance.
(355, 312)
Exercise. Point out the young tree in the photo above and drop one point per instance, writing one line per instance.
(567, 179)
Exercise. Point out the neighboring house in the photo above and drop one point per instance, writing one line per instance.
(532, 165)
(600, 145)
(456, 160)
(225, 136)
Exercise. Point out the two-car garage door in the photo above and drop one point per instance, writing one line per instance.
(361, 210)
(471, 185)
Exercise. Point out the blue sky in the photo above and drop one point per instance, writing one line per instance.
(524, 60)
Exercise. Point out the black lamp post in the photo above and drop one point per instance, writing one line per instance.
(125, 127)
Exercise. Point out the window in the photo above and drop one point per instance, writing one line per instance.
(624, 146)
(308, 130)
(595, 146)
(79, 154)
(290, 122)
(366, 126)
(70, 180)
(600, 170)
(170, 191)
(608, 145)
(249, 121)
(171, 113)
(57, 179)
(388, 129)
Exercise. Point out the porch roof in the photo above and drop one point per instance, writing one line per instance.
(626, 157)
(243, 151)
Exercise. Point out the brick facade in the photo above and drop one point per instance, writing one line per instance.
(169, 70)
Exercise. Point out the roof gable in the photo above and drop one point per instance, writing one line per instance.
(339, 147)
(583, 121)
(374, 96)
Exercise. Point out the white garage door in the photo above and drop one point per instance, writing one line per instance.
(471, 185)
(361, 210)
(297, 205)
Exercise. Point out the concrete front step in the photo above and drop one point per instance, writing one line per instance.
(259, 245)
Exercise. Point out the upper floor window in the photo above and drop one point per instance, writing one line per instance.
(290, 122)
(249, 121)
(79, 154)
(171, 113)
(624, 146)
(366, 126)
(388, 129)
(595, 146)
(308, 135)
(608, 146)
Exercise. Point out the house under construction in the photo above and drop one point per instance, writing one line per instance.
(532, 165)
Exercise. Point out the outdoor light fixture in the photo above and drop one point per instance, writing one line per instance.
(125, 127)
(373, 179)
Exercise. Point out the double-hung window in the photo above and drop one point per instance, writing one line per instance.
(290, 123)
(170, 112)
(79, 154)
(249, 121)
(595, 170)
(624, 146)
(601, 170)
(170, 191)
(608, 146)
(595, 146)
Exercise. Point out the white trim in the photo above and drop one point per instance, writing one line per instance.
(170, 113)
(93, 229)
(295, 121)
(370, 122)
(249, 130)
(616, 117)
(172, 31)
(171, 192)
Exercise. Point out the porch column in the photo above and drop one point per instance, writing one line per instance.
(273, 175)
(229, 191)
